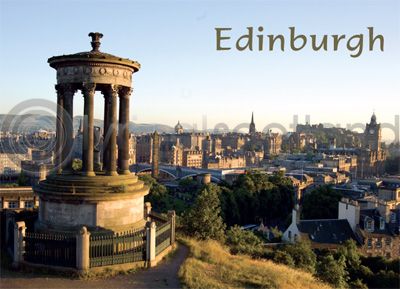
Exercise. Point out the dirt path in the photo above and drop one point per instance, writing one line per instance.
(165, 275)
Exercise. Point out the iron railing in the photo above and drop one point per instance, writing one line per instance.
(163, 237)
(117, 249)
(57, 249)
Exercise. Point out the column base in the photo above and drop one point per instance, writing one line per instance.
(124, 172)
(112, 173)
(89, 174)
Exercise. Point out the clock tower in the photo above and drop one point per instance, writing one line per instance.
(373, 135)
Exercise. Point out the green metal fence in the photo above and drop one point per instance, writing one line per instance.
(158, 218)
(117, 249)
(163, 237)
(55, 249)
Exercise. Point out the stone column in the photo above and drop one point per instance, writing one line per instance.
(123, 132)
(68, 122)
(111, 165)
(82, 249)
(106, 136)
(172, 218)
(59, 128)
(19, 244)
(147, 210)
(88, 90)
(151, 243)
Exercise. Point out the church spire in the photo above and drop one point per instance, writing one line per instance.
(252, 127)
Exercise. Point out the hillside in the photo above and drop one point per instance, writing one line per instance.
(210, 265)
(32, 122)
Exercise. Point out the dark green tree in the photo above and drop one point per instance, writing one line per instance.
(244, 242)
(321, 203)
(302, 255)
(333, 271)
(203, 220)
(158, 194)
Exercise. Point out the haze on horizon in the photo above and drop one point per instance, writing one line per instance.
(184, 78)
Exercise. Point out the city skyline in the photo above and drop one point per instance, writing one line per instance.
(183, 77)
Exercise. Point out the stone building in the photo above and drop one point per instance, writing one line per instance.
(226, 162)
(375, 230)
(144, 149)
(18, 198)
(192, 158)
(132, 149)
(273, 144)
(178, 128)
(371, 158)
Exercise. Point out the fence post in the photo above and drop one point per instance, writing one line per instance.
(147, 210)
(172, 219)
(82, 249)
(151, 243)
(19, 243)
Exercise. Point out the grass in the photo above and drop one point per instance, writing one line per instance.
(210, 265)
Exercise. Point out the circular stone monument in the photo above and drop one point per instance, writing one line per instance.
(110, 199)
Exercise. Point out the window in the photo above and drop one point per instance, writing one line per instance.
(388, 241)
(369, 225)
(28, 204)
(393, 217)
(290, 235)
(295, 237)
(379, 243)
(13, 205)
(369, 243)
(388, 255)
(382, 223)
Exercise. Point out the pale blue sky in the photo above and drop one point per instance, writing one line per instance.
(184, 77)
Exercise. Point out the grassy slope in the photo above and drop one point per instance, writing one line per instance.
(209, 265)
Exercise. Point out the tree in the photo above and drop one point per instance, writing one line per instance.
(244, 242)
(321, 203)
(203, 220)
(302, 255)
(283, 257)
(158, 194)
(333, 271)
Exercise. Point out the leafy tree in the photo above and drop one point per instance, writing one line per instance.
(321, 203)
(158, 194)
(333, 271)
(244, 242)
(203, 220)
(283, 257)
(302, 255)
(229, 207)
(357, 284)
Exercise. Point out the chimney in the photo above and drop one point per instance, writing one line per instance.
(296, 214)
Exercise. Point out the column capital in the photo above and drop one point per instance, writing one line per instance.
(111, 90)
(88, 88)
(67, 88)
(125, 92)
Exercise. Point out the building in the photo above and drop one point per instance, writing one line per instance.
(375, 230)
(372, 156)
(273, 144)
(144, 149)
(323, 233)
(18, 198)
(192, 158)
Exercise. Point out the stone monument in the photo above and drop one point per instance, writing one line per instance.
(108, 199)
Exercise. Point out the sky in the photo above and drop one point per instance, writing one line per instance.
(183, 77)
